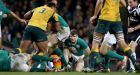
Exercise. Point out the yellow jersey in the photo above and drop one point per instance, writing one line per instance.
(41, 16)
(110, 10)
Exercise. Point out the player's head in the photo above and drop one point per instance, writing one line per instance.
(73, 35)
(132, 3)
(55, 2)
(51, 4)
(51, 1)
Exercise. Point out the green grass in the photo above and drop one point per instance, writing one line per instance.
(64, 73)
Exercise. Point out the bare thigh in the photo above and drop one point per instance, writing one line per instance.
(43, 46)
(25, 44)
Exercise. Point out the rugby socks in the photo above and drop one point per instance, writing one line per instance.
(107, 62)
(130, 56)
(114, 55)
(17, 50)
(97, 57)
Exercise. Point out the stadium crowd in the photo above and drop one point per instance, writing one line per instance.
(77, 14)
(74, 11)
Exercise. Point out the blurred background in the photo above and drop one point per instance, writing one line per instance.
(75, 12)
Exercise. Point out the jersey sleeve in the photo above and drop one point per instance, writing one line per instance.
(5, 10)
(128, 9)
(55, 17)
(84, 45)
(138, 10)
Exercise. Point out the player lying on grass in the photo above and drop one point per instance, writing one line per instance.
(10, 62)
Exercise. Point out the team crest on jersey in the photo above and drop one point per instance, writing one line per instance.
(77, 46)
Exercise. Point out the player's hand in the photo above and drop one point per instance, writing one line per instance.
(23, 21)
(92, 19)
(130, 30)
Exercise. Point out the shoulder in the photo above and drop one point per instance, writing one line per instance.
(138, 5)
(138, 9)
(80, 40)
(128, 8)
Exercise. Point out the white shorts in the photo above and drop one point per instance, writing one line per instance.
(63, 34)
(76, 58)
(109, 39)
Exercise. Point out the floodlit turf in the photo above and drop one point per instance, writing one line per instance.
(64, 73)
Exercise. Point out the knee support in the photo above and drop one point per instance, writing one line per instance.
(97, 39)
(119, 36)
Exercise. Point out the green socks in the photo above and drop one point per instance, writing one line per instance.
(129, 55)
(114, 55)
(107, 62)
(97, 57)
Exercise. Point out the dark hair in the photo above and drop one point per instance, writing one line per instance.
(50, 4)
(136, 0)
(74, 32)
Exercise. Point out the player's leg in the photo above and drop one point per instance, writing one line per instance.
(67, 54)
(133, 45)
(80, 64)
(25, 42)
(104, 49)
(117, 30)
(101, 28)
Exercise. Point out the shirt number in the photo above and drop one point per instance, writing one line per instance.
(42, 11)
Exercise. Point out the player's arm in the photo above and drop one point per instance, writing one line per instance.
(123, 3)
(87, 52)
(28, 15)
(57, 25)
(138, 26)
(98, 7)
(5, 16)
(56, 21)
(16, 17)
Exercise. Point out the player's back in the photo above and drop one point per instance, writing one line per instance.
(110, 10)
(40, 17)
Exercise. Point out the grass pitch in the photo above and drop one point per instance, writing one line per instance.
(65, 73)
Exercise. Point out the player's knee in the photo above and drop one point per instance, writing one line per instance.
(66, 51)
(79, 66)
(97, 38)
(119, 37)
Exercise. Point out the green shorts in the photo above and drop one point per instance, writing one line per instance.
(34, 34)
(104, 26)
